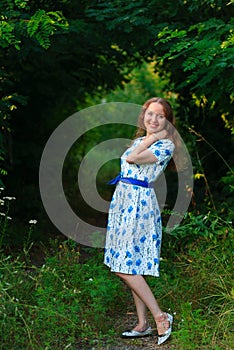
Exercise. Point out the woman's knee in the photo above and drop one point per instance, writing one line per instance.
(119, 274)
(127, 278)
(123, 276)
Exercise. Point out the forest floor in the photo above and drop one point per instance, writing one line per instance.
(128, 321)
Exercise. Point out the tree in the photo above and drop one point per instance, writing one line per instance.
(55, 54)
(191, 43)
(20, 30)
(49, 65)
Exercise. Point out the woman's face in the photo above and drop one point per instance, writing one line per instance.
(154, 118)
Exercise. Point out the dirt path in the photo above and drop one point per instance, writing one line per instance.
(149, 342)
(144, 343)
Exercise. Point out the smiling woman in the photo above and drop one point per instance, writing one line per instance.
(155, 119)
(134, 231)
(159, 106)
(158, 122)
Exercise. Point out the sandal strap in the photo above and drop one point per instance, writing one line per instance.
(164, 319)
(163, 337)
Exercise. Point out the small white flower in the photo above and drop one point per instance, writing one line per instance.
(91, 279)
(75, 291)
(9, 218)
(2, 214)
(9, 198)
(33, 222)
(1, 189)
(174, 313)
(2, 202)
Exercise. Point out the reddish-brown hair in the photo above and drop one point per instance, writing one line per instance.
(178, 158)
(168, 114)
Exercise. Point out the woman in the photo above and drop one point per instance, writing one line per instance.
(134, 230)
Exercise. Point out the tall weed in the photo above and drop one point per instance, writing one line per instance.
(62, 303)
(197, 282)
(71, 301)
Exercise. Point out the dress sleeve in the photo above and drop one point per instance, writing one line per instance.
(162, 150)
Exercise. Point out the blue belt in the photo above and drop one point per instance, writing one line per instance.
(130, 180)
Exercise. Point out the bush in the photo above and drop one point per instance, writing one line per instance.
(56, 305)
(197, 282)
(70, 301)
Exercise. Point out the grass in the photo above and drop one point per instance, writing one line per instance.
(56, 305)
(73, 299)
(201, 294)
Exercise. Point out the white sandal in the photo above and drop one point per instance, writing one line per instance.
(163, 337)
(136, 334)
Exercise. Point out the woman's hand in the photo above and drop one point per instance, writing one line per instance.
(140, 155)
(161, 134)
(149, 140)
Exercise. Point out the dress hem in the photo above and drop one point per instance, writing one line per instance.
(133, 274)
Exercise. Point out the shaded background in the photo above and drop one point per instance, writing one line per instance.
(60, 57)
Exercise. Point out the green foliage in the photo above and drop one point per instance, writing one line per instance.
(43, 25)
(103, 42)
(197, 283)
(206, 316)
(132, 14)
(207, 50)
(211, 226)
(16, 26)
(194, 43)
(191, 43)
(57, 66)
(57, 305)
(142, 83)
(68, 298)
(4, 216)
(192, 328)
(7, 36)
(17, 23)
(229, 180)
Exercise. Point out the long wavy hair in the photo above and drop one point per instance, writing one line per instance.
(170, 127)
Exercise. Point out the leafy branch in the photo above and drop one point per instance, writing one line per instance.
(17, 24)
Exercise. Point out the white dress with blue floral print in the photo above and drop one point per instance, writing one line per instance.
(134, 230)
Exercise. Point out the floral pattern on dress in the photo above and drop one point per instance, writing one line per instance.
(134, 229)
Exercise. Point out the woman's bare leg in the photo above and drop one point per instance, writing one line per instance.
(138, 284)
(141, 314)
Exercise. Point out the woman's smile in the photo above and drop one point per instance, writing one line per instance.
(154, 125)
(154, 119)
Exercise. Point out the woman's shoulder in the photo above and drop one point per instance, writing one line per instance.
(137, 140)
(163, 146)
(168, 141)
(164, 142)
